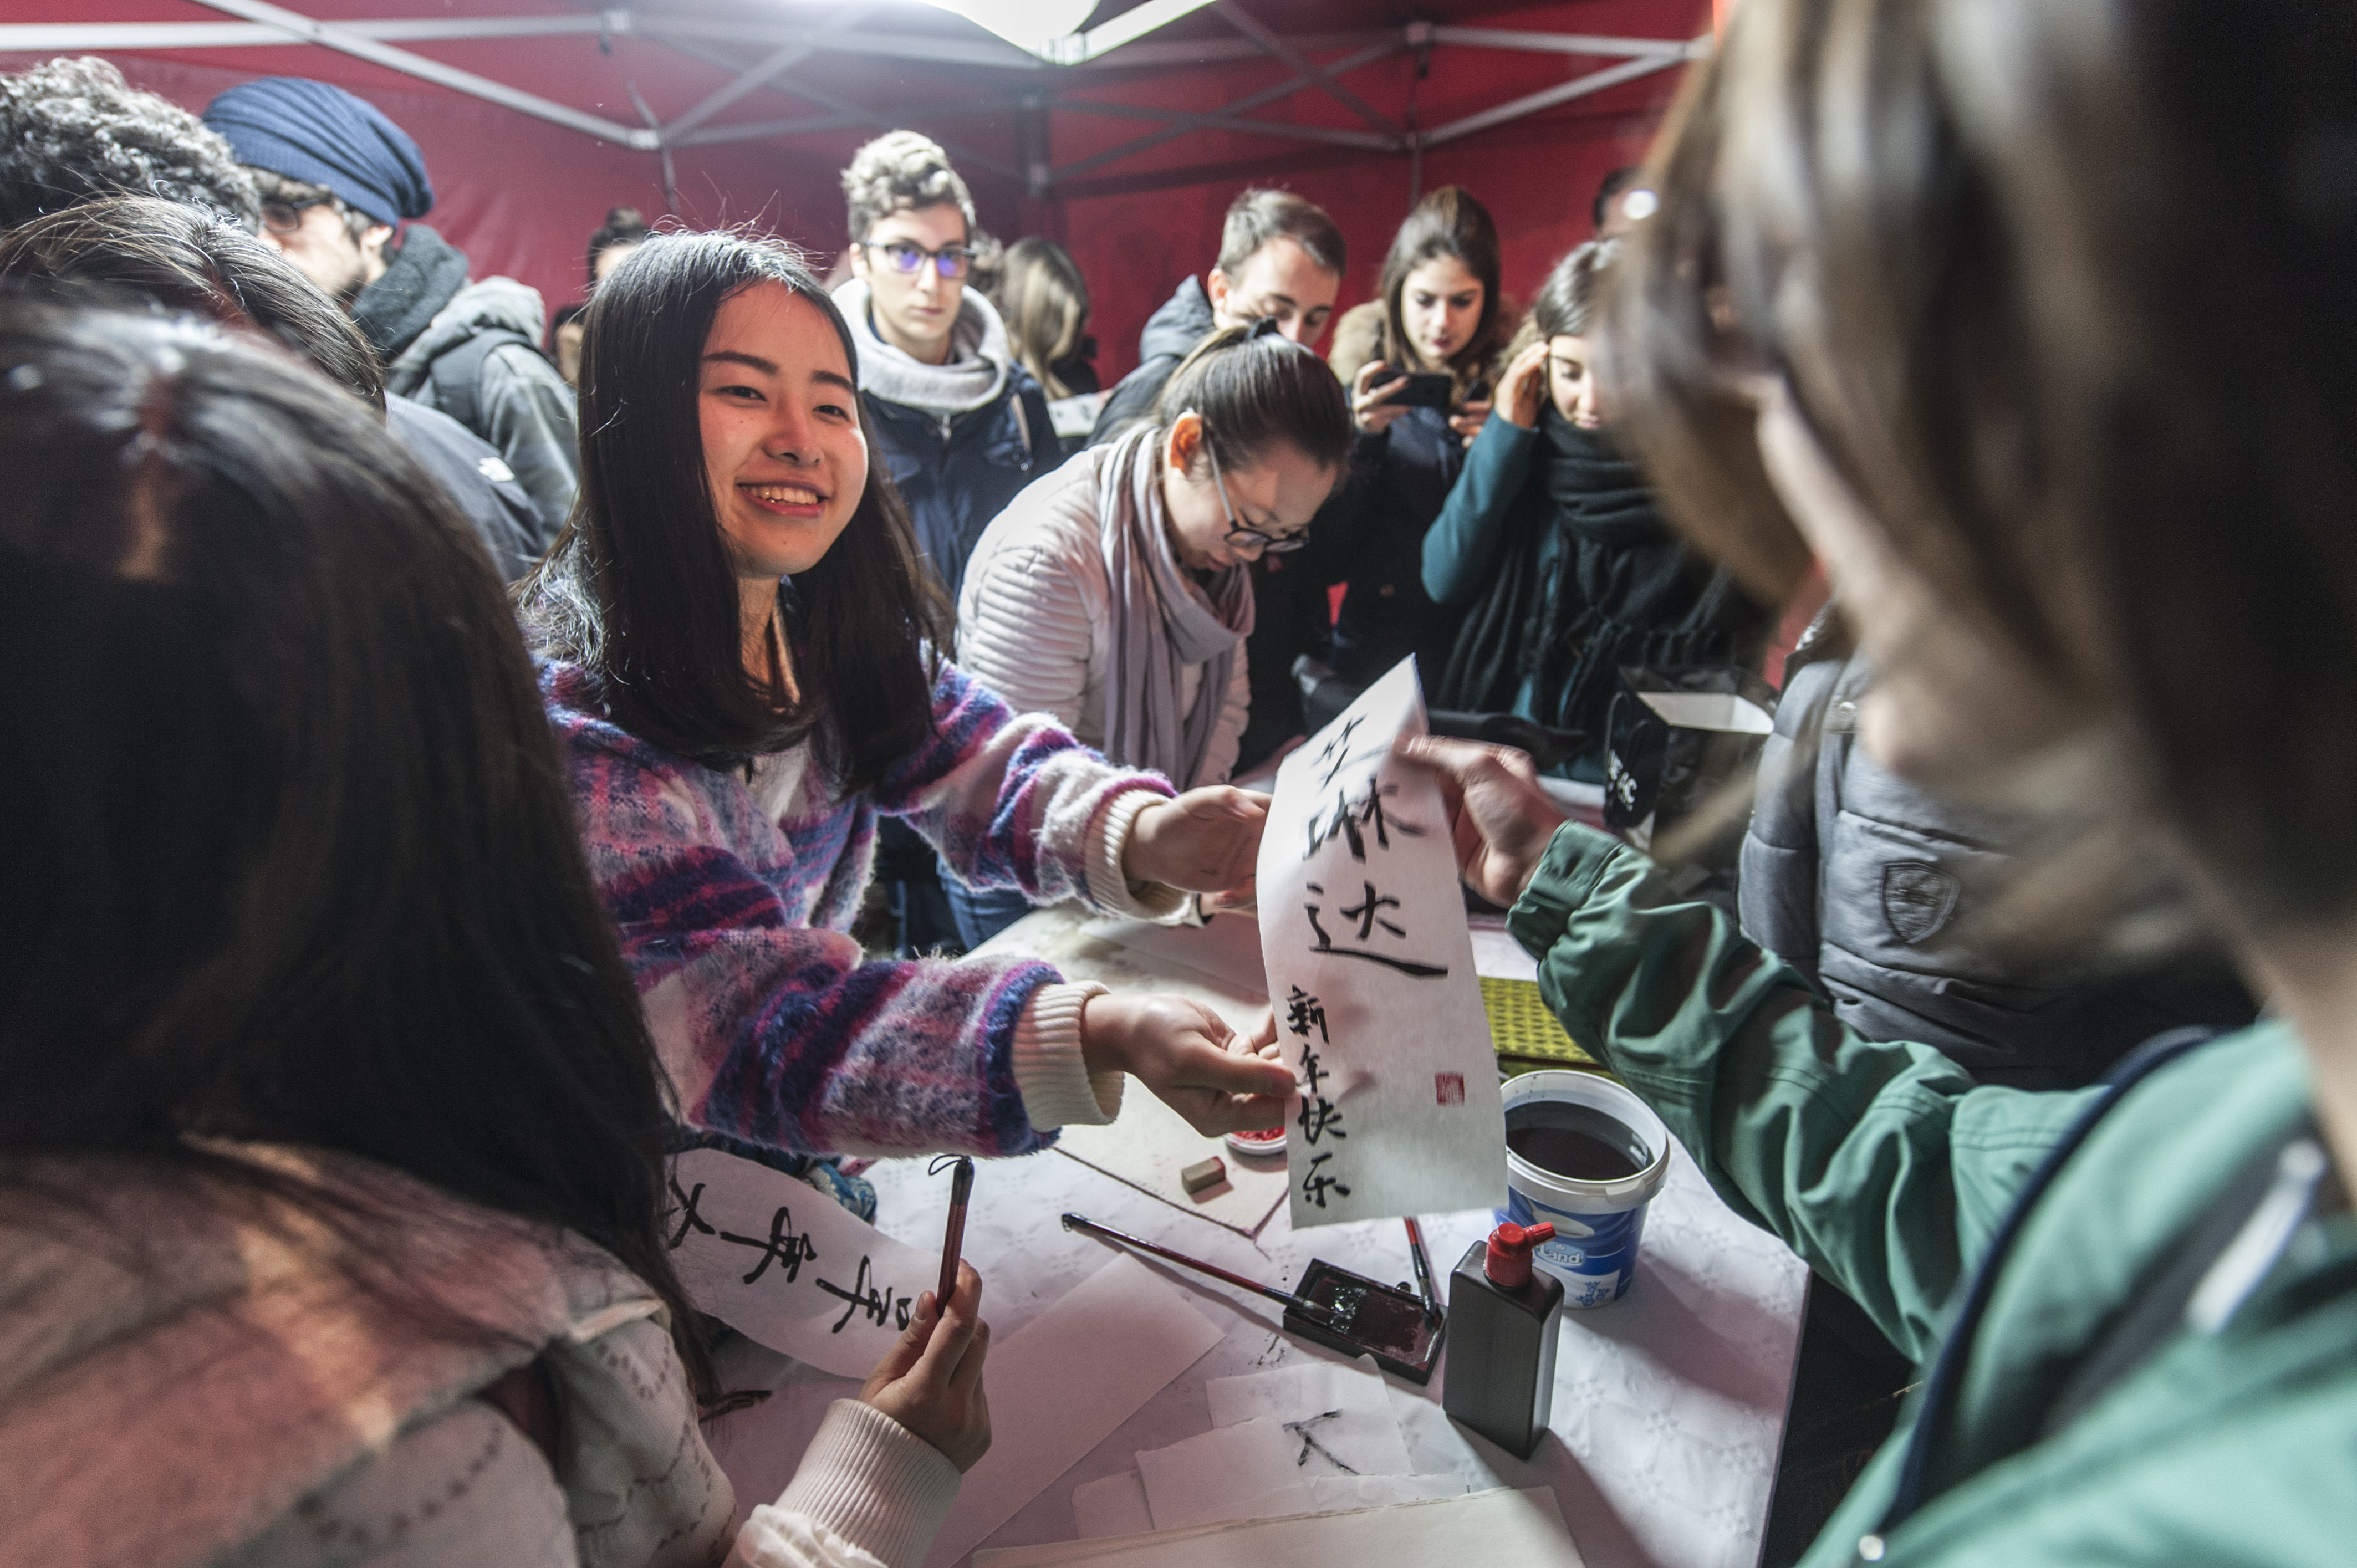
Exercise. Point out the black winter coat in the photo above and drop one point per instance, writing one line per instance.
(957, 473)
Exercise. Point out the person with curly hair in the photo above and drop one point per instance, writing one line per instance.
(959, 425)
(73, 128)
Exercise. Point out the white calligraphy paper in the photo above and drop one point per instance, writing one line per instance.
(1397, 1108)
(786, 1266)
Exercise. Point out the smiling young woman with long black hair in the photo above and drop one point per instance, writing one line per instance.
(741, 657)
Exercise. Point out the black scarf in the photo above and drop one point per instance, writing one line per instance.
(417, 283)
(1547, 628)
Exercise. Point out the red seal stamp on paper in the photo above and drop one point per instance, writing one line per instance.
(1449, 1088)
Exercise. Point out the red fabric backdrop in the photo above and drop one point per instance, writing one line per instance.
(521, 196)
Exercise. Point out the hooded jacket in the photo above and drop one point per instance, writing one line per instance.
(1171, 333)
(959, 439)
(424, 313)
(2232, 1439)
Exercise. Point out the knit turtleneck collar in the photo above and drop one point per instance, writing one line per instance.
(972, 376)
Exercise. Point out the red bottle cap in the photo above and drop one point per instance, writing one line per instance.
(1508, 1263)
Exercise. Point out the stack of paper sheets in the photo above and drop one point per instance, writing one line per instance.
(1312, 1438)
(1504, 1526)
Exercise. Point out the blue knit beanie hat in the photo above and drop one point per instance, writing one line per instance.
(323, 136)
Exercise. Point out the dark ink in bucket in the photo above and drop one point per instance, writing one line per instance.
(1575, 1141)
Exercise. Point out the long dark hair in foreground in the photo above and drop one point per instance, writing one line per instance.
(641, 588)
(286, 850)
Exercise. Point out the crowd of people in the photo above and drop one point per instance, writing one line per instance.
(454, 745)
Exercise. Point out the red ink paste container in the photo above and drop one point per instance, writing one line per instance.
(1258, 1145)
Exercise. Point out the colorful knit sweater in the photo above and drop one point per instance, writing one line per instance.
(733, 898)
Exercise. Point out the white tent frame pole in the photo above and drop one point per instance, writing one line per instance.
(100, 36)
(844, 115)
(918, 46)
(753, 131)
(1533, 103)
(1240, 106)
(766, 72)
(1206, 121)
(1591, 44)
(442, 75)
(266, 24)
(1250, 26)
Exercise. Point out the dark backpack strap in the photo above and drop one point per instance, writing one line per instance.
(457, 376)
(1947, 1368)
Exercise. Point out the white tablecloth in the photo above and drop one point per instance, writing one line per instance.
(1668, 1404)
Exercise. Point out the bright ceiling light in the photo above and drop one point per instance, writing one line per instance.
(1031, 25)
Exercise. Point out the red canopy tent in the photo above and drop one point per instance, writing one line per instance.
(537, 115)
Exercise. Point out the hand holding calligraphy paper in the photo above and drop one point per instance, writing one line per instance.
(1369, 962)
(786, 1266)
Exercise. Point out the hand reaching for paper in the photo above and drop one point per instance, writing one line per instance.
(930, 1380)
(1500, 818)
(1189, 1056)
(1205, 841)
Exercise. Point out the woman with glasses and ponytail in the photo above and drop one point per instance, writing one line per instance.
(1113, 594)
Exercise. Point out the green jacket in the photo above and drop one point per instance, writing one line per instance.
(1889, 1172)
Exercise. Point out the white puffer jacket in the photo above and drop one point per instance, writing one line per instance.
(1034, 617)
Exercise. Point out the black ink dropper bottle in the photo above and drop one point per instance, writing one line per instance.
(1502, 1317)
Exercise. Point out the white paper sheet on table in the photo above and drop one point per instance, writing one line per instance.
(1523, 1529)
(1371, 971)
(788, 1267)
(1224, 949)
(1339, 1418)
(1115, 1505)
(1244, 1471)
(1110, 1505)
(1060, 1385)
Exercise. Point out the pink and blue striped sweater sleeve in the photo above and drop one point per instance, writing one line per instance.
(772, 1027)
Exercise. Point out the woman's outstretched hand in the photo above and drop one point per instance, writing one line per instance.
(1206, 841)
(1189, 1056)
(1501, 819)
(930, 1380)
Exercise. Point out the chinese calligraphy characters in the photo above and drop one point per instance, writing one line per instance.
(1368, 912)
(882, 1307)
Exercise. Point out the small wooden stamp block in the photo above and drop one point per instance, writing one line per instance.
(1204, 1174)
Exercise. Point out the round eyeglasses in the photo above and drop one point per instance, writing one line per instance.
(907, 258)
(1238, 535)
(283, 216)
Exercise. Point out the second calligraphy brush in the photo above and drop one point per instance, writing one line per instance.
(1423, 1270)
(1291, 1302)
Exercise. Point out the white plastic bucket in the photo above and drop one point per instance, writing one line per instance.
(1598, 1224)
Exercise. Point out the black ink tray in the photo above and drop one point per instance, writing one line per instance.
(1386, 1322)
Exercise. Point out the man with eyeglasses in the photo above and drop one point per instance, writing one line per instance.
(74, 132)
(959, 426)
(339, 185)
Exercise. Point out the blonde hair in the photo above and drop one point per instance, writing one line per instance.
(1046, 303)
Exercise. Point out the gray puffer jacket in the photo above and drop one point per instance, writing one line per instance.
(1869, 885)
